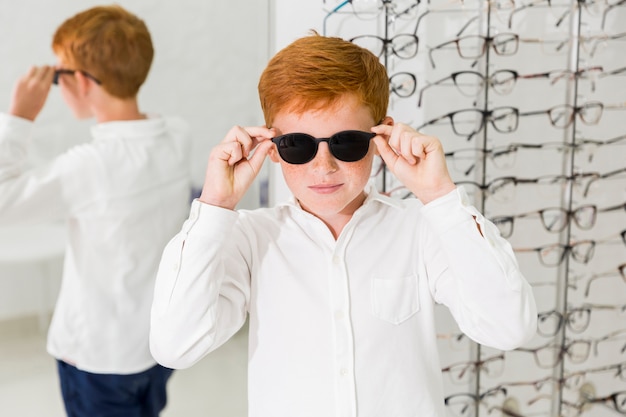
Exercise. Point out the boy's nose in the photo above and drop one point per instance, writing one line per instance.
(324, 161)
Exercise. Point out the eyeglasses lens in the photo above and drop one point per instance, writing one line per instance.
(296, 150)
(350, 146)
(469, 83)
(300, 148)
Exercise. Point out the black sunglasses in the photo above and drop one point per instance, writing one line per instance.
(300, 148)
(58, 72)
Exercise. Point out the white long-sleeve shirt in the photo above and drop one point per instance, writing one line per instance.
(123, 195)
(340, 327)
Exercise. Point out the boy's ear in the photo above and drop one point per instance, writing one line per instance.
(273, 154)
(388, 120)
(83, 83)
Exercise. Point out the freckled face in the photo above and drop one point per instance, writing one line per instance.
(326, 186)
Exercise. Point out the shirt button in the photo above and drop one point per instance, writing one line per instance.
(338, 315)
(343, 372)
(175, 266)
(336, 260)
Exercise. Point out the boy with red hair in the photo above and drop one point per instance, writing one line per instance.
(122, 195)
(340, 283)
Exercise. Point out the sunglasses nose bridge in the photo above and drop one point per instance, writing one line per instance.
(324, 160)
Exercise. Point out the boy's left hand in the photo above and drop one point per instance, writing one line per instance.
(417, 160)
(31, 91)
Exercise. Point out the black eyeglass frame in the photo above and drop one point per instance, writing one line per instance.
(554, 227)
(361, 136)
(398, 90)
(61, 71)
(572, 111)
(491, 81)
(495, 42)
(493, 116)
(389, 47)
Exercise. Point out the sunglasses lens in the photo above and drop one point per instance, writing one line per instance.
(351, 145)
(297, 148)
(300, 148)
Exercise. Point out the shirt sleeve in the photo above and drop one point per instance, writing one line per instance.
(476, 275)
(202, 288)
(27, 193)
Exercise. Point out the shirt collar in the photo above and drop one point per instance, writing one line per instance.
(151, 126)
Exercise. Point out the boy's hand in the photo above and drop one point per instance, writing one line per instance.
(417, 160)
(233, 165)
(31, 91)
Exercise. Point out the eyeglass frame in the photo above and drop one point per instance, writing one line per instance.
(577, 377)
(561, 349)
(500, 181)
(486, 115)
(566, 317)
(486, 42)
(575, 110)
(384, 3)
(620, 270)
(494, 152)
(61, 71)
(566, 249)
(584, 3)
(387, 42)
(317, 142)
(396, 90)
(569, 214)
(484, 78)
(587, 399)
(547, 179)
(473, 365)
(515, 76)
(580, 73)
(569, 248)
(476, 398)
(608, 336)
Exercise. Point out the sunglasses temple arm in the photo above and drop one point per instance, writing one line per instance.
(430, 57)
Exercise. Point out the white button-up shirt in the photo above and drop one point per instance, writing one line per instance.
(340, 327)
(123, 196)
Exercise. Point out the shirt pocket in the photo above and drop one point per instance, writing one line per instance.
(395, 299)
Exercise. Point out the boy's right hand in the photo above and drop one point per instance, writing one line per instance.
(31, 91)
(233, 165)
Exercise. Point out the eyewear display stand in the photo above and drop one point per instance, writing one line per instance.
(528, 98)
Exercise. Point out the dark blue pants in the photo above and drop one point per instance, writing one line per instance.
(109, 395)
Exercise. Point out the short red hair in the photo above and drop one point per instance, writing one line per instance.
(313, 72)
(109, 43)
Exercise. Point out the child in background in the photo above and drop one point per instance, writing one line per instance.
(123, 195)
(340, 283)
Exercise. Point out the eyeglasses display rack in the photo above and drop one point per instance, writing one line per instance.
(528, 98)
